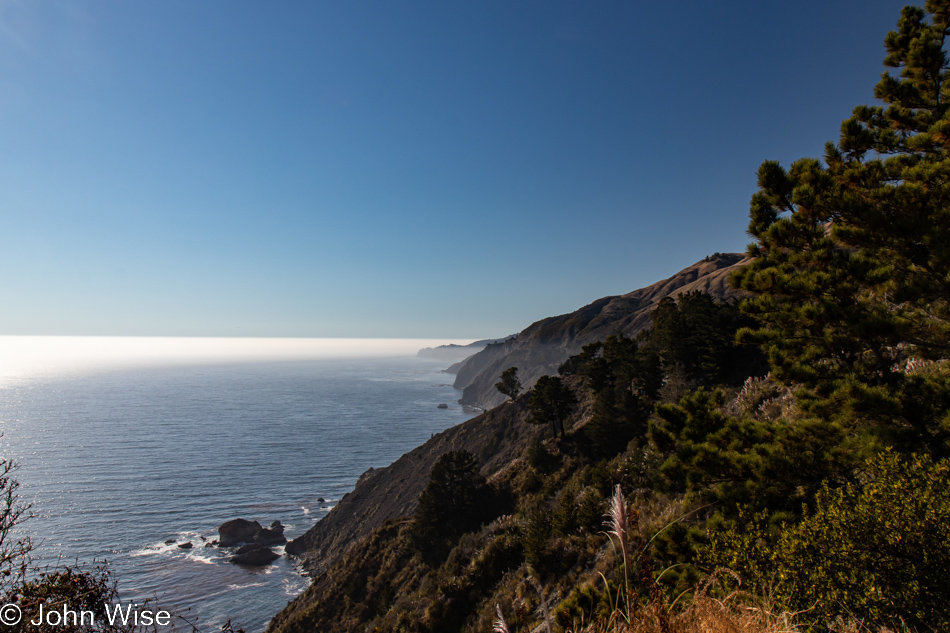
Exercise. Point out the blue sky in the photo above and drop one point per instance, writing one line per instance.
(393, 169)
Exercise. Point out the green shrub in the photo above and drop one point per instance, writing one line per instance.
(538, 457)
(501, 555)
(878, 552)
(564, 518)
(590, 512)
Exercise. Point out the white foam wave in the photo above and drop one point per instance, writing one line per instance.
(247, 586)
(192, 556)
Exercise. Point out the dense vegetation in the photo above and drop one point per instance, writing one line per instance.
(792, 446)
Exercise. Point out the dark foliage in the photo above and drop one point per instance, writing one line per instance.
(551, 402)
(456, 500)
(694, 332)
(625, 381)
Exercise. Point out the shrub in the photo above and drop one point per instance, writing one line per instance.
(80, 590)
(536, 535)
(878, 552)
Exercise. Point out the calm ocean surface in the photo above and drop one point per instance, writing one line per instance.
(116, 462)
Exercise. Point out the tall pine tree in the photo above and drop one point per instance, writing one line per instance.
(851, 277)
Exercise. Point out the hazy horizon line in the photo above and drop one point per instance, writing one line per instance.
(26, 356)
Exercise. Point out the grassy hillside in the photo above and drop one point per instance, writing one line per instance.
(666, 475)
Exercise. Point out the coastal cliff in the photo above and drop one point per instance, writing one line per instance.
(456, 353)
(541, 347)
(496, 437)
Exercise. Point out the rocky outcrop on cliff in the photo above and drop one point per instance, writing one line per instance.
(541, 347)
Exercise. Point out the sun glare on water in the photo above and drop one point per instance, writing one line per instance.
(27, 357)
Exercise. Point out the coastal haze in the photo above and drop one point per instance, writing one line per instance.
(26, 357)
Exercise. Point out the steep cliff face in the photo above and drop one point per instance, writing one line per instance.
(496, 438)
(541, 347)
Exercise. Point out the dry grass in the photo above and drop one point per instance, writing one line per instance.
(704, 615)
(764, 399)
(737, 613)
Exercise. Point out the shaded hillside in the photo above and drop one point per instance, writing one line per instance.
(541, 347)
(495, 438)
(383, 577)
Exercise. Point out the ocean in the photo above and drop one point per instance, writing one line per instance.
(119, 457)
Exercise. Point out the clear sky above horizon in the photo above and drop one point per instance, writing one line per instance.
(393, 169)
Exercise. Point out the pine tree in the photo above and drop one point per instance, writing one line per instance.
(551, 402)
(456, 500)
(851, 276)
(509, 384)
(695, 333)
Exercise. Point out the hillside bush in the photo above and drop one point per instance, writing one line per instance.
(878, 552)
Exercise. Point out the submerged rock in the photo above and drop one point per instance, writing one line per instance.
(187, 545)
